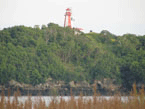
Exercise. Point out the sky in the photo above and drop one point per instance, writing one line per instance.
(117, 16)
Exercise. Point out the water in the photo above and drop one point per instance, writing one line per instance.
(48, 99)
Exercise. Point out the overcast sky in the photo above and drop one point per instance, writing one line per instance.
(117, 16)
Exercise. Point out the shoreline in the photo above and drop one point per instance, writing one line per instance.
(61, 92)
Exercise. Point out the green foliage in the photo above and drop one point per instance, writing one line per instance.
(31, 55)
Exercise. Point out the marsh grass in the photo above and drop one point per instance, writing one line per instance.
(136, 100)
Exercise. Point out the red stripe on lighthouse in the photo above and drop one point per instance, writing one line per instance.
(69, 21)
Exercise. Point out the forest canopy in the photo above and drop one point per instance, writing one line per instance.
(31, 55)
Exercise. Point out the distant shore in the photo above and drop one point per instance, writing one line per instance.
(59, 92)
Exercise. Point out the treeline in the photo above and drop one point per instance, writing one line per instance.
(31, 55)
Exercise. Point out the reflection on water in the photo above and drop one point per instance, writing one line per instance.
(47, 99)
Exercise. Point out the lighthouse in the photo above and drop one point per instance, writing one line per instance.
(67, 20)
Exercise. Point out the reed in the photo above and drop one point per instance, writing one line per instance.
(136, 100)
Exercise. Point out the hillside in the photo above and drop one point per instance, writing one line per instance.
(31, 55)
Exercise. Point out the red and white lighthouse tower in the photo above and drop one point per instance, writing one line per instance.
(67, 20)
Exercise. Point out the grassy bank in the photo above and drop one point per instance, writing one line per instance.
(136, 100)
